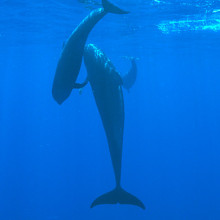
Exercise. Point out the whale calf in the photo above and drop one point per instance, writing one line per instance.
(69, 64)
(106, 86)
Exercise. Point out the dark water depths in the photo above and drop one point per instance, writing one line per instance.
(54, 160)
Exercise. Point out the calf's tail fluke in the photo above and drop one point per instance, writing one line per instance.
(109, 7)
(118, 195)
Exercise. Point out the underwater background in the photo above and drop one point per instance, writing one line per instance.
(54, 160)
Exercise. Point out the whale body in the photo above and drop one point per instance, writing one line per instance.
(69, 64)
(106, 84)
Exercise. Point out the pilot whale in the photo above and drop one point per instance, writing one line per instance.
(69, 64)
(106, 84)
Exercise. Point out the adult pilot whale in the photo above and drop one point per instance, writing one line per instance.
(69, 64)
(106, 87)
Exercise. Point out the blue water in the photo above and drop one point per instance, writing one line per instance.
(54, 160)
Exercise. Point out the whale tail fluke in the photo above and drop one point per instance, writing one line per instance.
(109, 7)
(118, 195)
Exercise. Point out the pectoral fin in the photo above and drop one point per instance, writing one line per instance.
(80, 85)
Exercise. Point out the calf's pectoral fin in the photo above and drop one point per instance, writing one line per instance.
(80, 85)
